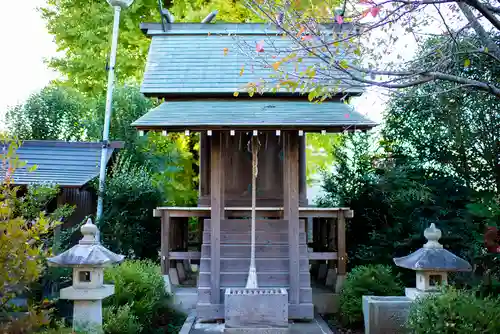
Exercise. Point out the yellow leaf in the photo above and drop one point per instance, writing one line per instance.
(276, 65)
(242, 70)
(225, 51)
(467, 62)
(235, 94)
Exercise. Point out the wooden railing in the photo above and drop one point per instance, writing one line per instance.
(339, 214)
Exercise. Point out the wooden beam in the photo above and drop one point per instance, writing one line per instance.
(185, 255)
(291, 209)
(341, 245)
(216, 213)
(331, 241)
(323, 256)
(165, 242)
(275, 212)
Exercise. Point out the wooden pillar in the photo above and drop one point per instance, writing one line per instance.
(217, 212)
(341, 251)
(165, 242)
(291, 208)
(331, 242)
(302, 170)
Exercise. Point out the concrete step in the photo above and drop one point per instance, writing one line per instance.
(265, 280)
(262, 264)
(244, 225)
(303, 311)
(261, 237)
(261, 251)
(204, 294)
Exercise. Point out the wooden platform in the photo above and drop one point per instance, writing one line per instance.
(268, 212)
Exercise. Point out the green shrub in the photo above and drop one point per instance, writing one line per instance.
(129, 200)
(455, 312)
(120, 320)
(139, 295)
(374, 280)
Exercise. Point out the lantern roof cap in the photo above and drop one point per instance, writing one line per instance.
(432, 256)
(88, 251)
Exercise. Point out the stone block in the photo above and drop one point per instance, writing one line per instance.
(331, 277)
(264, 308)
(174, 278)
(181, 272)
(340, 283)
(168, 286)
(322, 271)
(187, 265)
(385, 315)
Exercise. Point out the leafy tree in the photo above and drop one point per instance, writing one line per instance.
(455, 132)
(82, 31)
(353, 42)
(318, 154)
(22, 249)
(54, 113)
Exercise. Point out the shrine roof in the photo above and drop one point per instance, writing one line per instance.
(219, 59)
(253, 113)
(68, 164)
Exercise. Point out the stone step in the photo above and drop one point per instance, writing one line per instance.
(303, 311)
(261, 237)
(244, 225)
(265, 280)
(262, 264)
(261, 251)
(204, 294)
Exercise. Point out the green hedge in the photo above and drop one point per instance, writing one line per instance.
(455, 312)
(374, 280)
(140, 303)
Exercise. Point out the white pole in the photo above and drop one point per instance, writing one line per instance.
(107, 116)
(252, 272)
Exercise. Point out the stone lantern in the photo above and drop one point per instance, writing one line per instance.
(88, 260)
(432, 263)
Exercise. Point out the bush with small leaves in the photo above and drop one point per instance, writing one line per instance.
(374, 280)
(139, 293)
(120, 320)
(455, 312)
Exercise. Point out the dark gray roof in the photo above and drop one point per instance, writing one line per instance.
(432, 256)
(257, 113)
(88, 252)
(191, 59)
(69, 164)
(434, 259)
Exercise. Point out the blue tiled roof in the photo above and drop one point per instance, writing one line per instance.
(68, 164)
(252, 113)
(191, 58)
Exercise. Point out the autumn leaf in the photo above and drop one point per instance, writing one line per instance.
(260, 46)
(226, 50)
(365, 12)
(235, 94)
(242, 70)
(339, 19)
(374, 11)
(343, 63)
(467, 63)
(347, 115)
(276, 65)
(306, 38)
(301, 31)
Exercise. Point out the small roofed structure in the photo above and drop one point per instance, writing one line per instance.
(88, 259)
(70, 165)
(432, 263)
(252, 164)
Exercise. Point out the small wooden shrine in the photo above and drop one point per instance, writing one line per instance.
(189, 66)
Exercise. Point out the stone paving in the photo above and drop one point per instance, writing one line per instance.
(317, 326)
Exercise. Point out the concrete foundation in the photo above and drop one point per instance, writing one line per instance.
(168, 286)
(385, 315)
(262, 310)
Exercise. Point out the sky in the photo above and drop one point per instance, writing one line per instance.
(27, 43)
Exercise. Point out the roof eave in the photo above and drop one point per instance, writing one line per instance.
(263, 127)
